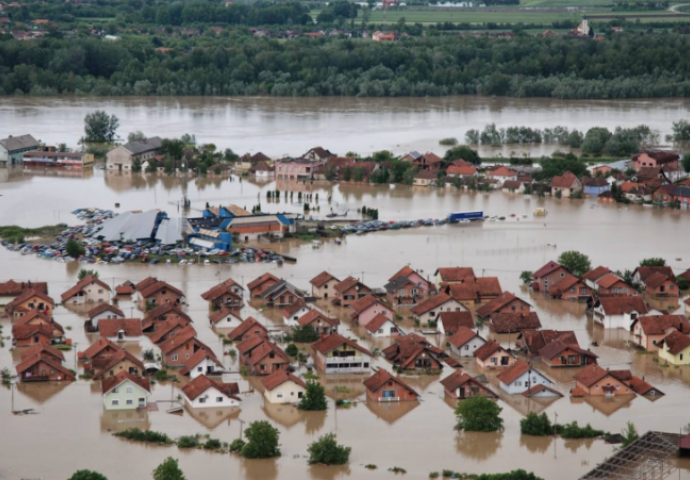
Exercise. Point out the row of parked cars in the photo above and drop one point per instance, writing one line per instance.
(377, 225)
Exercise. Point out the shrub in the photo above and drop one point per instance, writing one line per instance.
(263, 441)
(292, 350)
(304, 334)
(314, 397)
(148, 436)
(629, 434)
(397, 470)
(74, 248)
(237, 445)
(573, 430)
(371, 466)
(87, 475)
(433, 475)
(187, 441)
(162, 375)
(538, 425)
(168, 470)
(212, 444)
(450, 141)
(327, 451)
(479, 414)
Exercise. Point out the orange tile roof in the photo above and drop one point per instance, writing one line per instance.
(279, 377)
(107, 384)
(202, 383)
(81, 284)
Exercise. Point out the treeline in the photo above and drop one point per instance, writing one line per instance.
(626, 66)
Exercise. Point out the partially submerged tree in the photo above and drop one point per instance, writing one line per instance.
(575, 262)
(479, 414)
(629, 434)
(100, 127)
(653, 262)
(262, 441)
(87, 475)
(314, 398)
(168, 470)
(327, 451)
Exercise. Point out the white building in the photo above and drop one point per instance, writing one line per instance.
(427, 311)
(465, 342)
(102, 312)
(293, 313)
(87, 290)
(381, 326)
(619, 312)
(202, 392)
(520, 377)
(124, 391)
(203, 362)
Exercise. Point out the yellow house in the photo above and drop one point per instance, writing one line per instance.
(675, 349)
(283, 387)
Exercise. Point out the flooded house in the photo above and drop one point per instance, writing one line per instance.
(565, 185)
(414, 352)
(101, 348)
(337, 354)
(596, 381)
(660, 285)
(511, 322)
(125, 289)
(89, 289)
(162, 313)
(168, 329)
(384, 387)
(548, 275)
(30, 300)
(43, 368)
(250, 326)
(11, 289)
(101, 312)
(674, 348)
(424, 287)
(27, 326)
(202, 392)
(122, 360)
(569, 288)
(259, 285)
(323, 284)
(448, 323)
(403, 292)
(44, 350)
(226, 294)
(465, 342)
(532, 341)
(590, 278)
(641, 274)
(381, 326)
(649, 330)
(282, 294)
(12, 149)
(122, 157)
(180, 348)
(521, 377)
(445, 276)
(203, 362)
(366, 309)
(262, 357)
(560, 354)
(426, 312)
(350, 290)
(611, 285)
(460, 386)
(283, 387)
(29, 335)
(120, 328)
(125, 392)
(160, 293)
(619, 312)
(225, 318)
(293, 312)
(492, 355)
(504, 303)
(321, 323)
(471, 292)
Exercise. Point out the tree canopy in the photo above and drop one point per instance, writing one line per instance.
(479, 414)
(168, 470)
(575, 262)
(100, 127)
(87, 475)
(262, 441)
(314, 397)
(327, 451)
(653, 262)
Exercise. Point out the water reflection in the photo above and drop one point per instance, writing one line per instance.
(603, 405)
(289, 415)
(260, 469)
(525, 405)
(323, 472)
(390, 412)
(116, 421)
(536, 444)
(40, 392)
(479, 446)
(211, 418)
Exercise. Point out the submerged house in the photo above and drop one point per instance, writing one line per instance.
(202, 392)
(413, 352)
(350, 290)
(492, 355)
(520, 377)
(87, 290)
(459, 385)
(283, 387)
(465, 342)
(43, 368)
(125, 392)
(323, 284)
(619, 312)
(384, 387)
(337, 354)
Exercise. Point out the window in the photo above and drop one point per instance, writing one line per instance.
(219, 399)
(199, 369)
(280, 395)
(115, 403)
(467, 347)
(115, 390)
(173, 357)
(202, 400)
(130, 402)
(129, 389)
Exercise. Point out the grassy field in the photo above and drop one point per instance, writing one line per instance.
(433, 15)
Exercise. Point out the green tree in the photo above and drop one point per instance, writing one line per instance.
(478, 414)
(292, 350)
(100, 127)
(87, 475)
(653, 262)
(441, 178)
(526, 277)
(681, 131)
(136, 165)
(538, 425)
(347, 173)
(358, 174)
(314, 398)
(137, 136)
(305, 334)
(327, 451)
(74, 248)
(168, 470)
(408, 176)
(575, 262)
(462, 152)
(85, 273)
(262, 441)
(686, 162)
(629, 434)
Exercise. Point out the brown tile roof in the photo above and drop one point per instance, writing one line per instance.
(108, 327)
(685, 274)
(489, 286)
(474, 290)
(98, 347)
(514, 322)
(595, 274)
(458, 378)
(202, 383)
(503, 172)
(380, 378)
(104, 307)
(27, 295)
(451, 321)
(12, 288)
(512, 373)
(145, 283)
(646, 272)
(562, 286)
(365, 302)
(220, 290)
(313, 315)
(322, 278)
(166, 327)
(290, 310)
(347, 284)
(641, 387)
(249, 344)
(182, 337)
(249, 323)
(497, 303)
(608, 280)
(335, 340)
(22, 332)
(262, 279)
(157, 286)
(552, 349)
(81, 284)
(659, 155)
(659, 324)
(279, 377)
(200, 355)
(546, 269)
(44, 319)
(165, 309)
(591, 374)
(405, 271)
(377, 322)
(33, 360)
(538, 388)
(117, 358)
(676, 342)
(461, 170)
(127, 288)
(107, 384)
(656, 280)
(455, 274)
(621, 305)
(488, 349)
(42, 349)
(431, 303)
(264, 349)
(535, 340)
(564, 181)
(219, 315)
(462, 336)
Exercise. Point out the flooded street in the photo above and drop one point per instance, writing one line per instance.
(279, 126)
(72, 430)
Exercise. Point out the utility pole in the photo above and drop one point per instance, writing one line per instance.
(241, 428)
(75, 357)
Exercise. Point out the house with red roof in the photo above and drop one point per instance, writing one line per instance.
(448, 323)
(320, 322)
(611, 285)
(120, 328)
(337, 354)
(365, 309)
(384, 387)
(649, 330)
(531, 341)
(101, 312)
(262, 357)
(89, 289)
(350, 290)
(426, 312)
(656, 158)
(180, 348)
(11, 289)
(503, 174)
(322, 285)
(512, 322)
(259, 285)
(225, 318)
(590, 278)
(226, 294)
(122, 360)
(41, 368)
(161, 314)
(619, 312)
(566, 185)
(414, 352)
(167, 330)
(675, 348)
(464, 342)
(249, 327)
(569, 288)
(522, 376)
(202, 392)
(641, 274)
(449, 275)
(34, 318)
(595, 380)
(460, 386)
(560, 354)
(382, 326)
(30, 300)
(293, 312)
(548, 275)
(283, 387)
(203, 362)
(159, 292)
(475, 291)
(124, 391)
(660, 285)
(462, 171)
(504, 303)
(29, 335)
(415, 277)
(493, 355)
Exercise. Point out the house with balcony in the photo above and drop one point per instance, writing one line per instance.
(337, 354)
(297, 169)
(350, 290)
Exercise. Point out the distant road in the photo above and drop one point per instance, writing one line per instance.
(675, 8)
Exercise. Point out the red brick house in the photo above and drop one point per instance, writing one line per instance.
(260, 285)
(262, 357)
(569, 288)
(350, 290)
(384, 387)
(532, 341)
(560, 354)
(413, 352)
(161, 314)
(30, 300)
(35, 318)
(168, 330)
(160, 293)
(249, 327)
(226, 294)
(504, 303)
(39, 368)
(659, 285)
(459, 385)
(178, 349)
(321, 323)
(28, 335)
(611, 285)
(547, 275)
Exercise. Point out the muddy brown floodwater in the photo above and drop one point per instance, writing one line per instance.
(279, 126)
(71, 429)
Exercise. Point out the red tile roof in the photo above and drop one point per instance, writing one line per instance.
(564, 181)
(641, 387)
(182, 337)
(497, 303)
(224, 312)
(382, 377)
(656, 280)
(535, 340)
(646, 272)
(563, 285)
(347, 284)
(166, 327)
(488, 349)
(503, 172)
(365, 302)
(313, 315)
(451, 321)
(104, 307)
(249, 344)
(120, 356)
(458, 378)
(513, 372)
(157, 286)
(109, 327)
(264, 349)
(27, 295)
(405, 271)
(221, 289)
(595, 274)
(431, 303)
(377, 322)
(22, 332)
(591, 374)
(279, 377)
(24, 365)
(322, 278)
(608, 280)
(539, 388)
(335, 340)
(198, 357)
(676, 342)
(262, 279)
(107, 384)
(659, 324)
(145, 283)
(202, 383)
(552, 349)
(461, 170)
(462, 336)
(290, 310)
(98, 347)
(249, 323)
(83, 283)
(12, 288)
(621, 305)
(546, 269)
(455, 274)
(514, 322)
(42, 349)
(163, 310)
